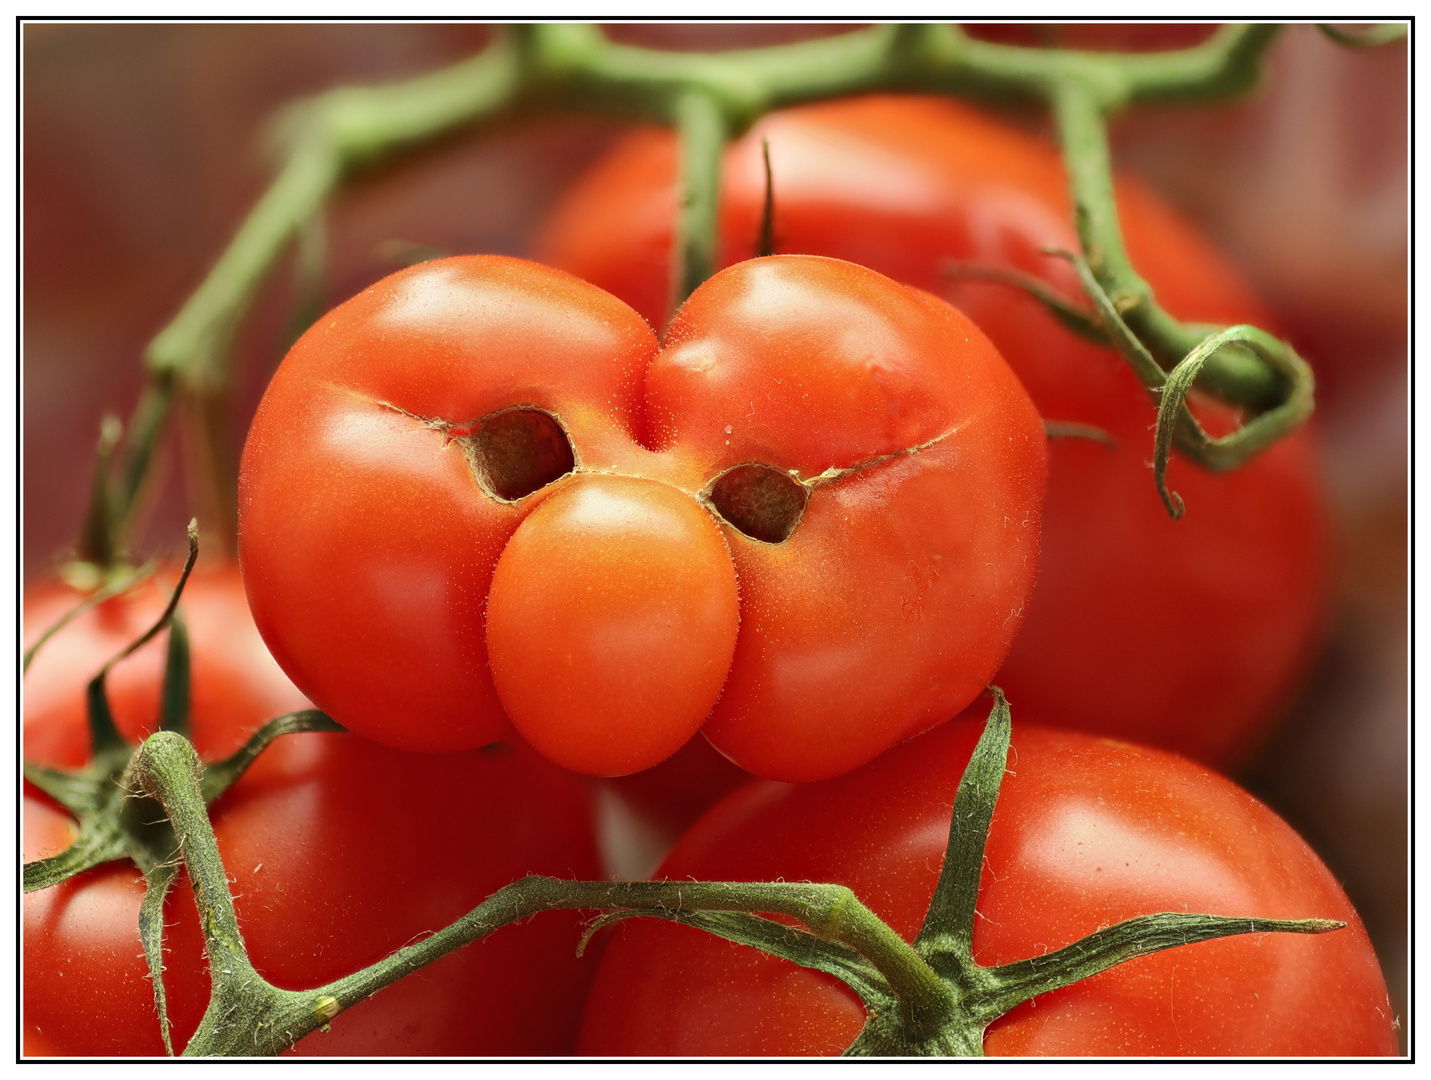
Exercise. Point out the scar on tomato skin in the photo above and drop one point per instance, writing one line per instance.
(833, 475)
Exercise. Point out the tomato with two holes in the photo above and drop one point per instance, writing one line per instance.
(326, 877)
(481, 492)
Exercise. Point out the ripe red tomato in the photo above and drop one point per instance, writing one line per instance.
(338, 851)
(235, 686)
(1190, 634)
(818, 503)
(1087, 832)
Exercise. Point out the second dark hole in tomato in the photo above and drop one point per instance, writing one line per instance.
(762, 502)
(521, 451)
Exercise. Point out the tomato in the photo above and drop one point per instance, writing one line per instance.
(481, 491)
(235, 685)
(1190, 634)
(1087, 831)
(338, 852)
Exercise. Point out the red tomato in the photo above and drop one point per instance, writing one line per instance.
(818, 504)
(338, 852)
(1087, 832)
(235, 685)
(1191, 634)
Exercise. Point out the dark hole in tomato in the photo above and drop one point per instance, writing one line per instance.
(520, 451)
(762, 502)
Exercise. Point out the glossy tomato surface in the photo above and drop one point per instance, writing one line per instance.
(1087, 831)
(338, 852)
(1190, 634)
(809, 520)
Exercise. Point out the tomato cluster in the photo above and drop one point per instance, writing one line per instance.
(485, 509)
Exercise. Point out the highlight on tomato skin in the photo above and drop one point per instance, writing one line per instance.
(422, 555)
(1087, 831)
(1191, 634)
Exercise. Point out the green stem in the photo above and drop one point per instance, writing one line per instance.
(709, 97)
(248, 1016)
(701, 128)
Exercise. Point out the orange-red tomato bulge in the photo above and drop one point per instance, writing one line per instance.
(611, 623)
(481, 492)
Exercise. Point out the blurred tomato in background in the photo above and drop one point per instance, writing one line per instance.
(143, 146)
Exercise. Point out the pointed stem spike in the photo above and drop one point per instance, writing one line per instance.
(120, 585)
(766, 244)
(1012, 984)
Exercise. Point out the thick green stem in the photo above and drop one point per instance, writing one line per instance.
(702, 131)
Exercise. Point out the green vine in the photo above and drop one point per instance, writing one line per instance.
(710, 98)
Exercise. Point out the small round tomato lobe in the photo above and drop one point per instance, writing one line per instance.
(611, 623)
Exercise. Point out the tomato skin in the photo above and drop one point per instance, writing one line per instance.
(338, 850)
(1087, 831)
(1189, 634)
(369, 542)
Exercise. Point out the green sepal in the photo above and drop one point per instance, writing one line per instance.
(1069, 314)
(1072, 429)
(157, 880)
(776, 938)
(118, 583)
(174, 697)
(1010, 985)
(219, 776)
(949, 922)
(97, 841)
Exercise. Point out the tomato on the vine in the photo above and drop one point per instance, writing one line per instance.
(338, 852)
(235, 686)
(1189, 634)
(1086, 832)
(480, 490)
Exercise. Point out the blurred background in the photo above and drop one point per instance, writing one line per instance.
(143, 147)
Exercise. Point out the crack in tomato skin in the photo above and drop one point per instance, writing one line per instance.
(373, 571)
